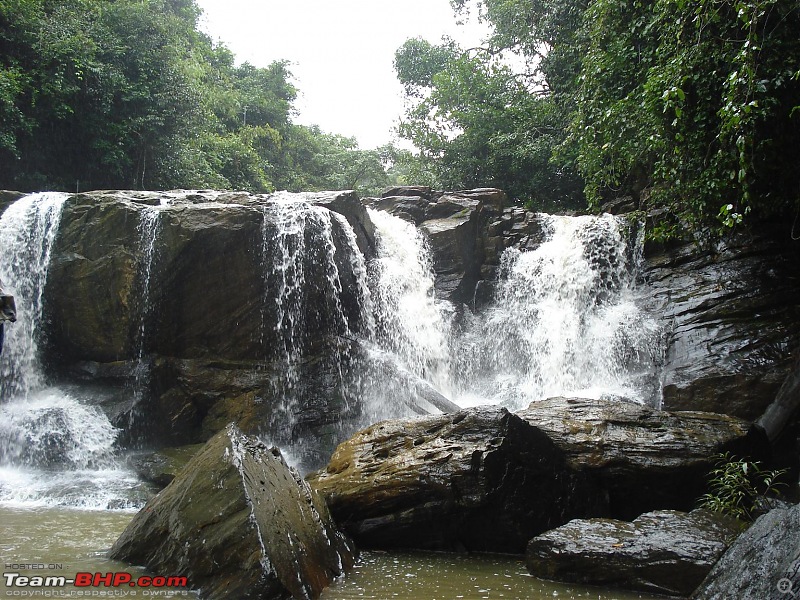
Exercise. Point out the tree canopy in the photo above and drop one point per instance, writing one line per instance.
(129, 93)
(688, 105)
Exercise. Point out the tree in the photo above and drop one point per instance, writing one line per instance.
(690, 106)
(100, 94)
(476, 122)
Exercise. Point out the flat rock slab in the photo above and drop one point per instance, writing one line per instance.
(762, 564)
(481, 479)
(640, 458)
(666, 552)
(238, 523)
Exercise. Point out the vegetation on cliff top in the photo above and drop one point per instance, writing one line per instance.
(693, 106)
(130, 94)
(690, 106)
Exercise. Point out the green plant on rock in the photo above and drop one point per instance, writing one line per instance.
(736, 486)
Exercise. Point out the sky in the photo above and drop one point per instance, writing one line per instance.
(341, 52)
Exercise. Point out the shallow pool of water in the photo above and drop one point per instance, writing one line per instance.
(438, 576)
(48, 541)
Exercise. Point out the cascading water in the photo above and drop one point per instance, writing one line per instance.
(300, 262)
(148, 233)
(55, 448)
(27, 231)
(565, 319)
(410, 322)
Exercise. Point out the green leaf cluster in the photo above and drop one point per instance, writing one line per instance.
(130, 94)
(692, 106)
(737, 485)
(476, 123)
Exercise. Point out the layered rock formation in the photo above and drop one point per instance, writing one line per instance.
(640, 458)
(486, 479)
(663, 552)
(734, 312)
(480, 479)
(212, 305)
(456, 226)
(239, 523)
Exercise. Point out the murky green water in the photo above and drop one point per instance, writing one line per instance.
(435, 576)
(68, 541)
(62, 542)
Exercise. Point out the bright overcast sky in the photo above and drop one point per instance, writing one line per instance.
(341, 52)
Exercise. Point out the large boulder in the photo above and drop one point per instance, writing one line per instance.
(734, 315)
(485, 479)
(762, 564)
(478, 480)
(639, 458)
(238, 523)
(664, 552)
(200, 274)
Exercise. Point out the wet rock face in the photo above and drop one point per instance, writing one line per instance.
(485, 479)
(639, 458)
(664, 552)
(205, 281)
(481, 479)
(735, 316)
(455, 225)
(238, 523)
(205, 300)
(762, 564)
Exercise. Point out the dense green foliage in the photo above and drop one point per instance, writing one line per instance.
(689, 105)
(128, 93)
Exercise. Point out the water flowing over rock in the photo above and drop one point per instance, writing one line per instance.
(239, 523)
(27, 231)
(268, 292)
(762, 564)
(567, 318)
(305, 317)
(664, 552)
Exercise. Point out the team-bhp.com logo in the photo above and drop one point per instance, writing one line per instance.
(92, 580)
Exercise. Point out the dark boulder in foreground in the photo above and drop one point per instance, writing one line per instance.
(639, 458)
(763, 563)
(484, 479)
(665, 552)
(479, 480)
(238, 523)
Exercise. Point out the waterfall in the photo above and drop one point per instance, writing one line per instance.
(27, 231)
(55, 448)
(148, 232)
(298, 246)
(306, 252)
(410, 323)
(566, 318)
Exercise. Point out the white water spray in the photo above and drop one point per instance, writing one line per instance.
(55, 449)
(148, 231)
(410, 322)
(27, 231)
(565, 320)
